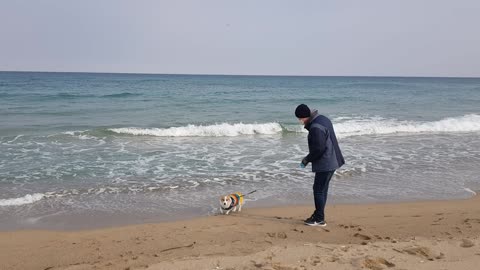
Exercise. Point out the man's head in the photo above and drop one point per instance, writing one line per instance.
(302, 112)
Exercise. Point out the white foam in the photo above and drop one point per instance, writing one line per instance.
(295, 128)
(18, 136)
(378, 125)
(27, 199)
(71, 133)
(352, 170)
(217, 130)
(471, 191)
(74, 132)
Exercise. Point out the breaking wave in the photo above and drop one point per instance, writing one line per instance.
(217, 130)
(27, 199)
(378, 125)
(344, 127)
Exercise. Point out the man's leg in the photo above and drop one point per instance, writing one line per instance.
(320, 190)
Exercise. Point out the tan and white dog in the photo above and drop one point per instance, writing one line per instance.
(231, 202)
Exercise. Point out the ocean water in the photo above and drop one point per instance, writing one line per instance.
(85, 150)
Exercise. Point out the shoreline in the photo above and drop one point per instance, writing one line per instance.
(422, 235)
(97, 220)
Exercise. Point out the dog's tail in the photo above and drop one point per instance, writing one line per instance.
(249, 193)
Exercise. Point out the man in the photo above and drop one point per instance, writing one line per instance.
(325, 156)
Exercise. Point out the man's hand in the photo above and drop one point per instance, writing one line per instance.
(304, 162)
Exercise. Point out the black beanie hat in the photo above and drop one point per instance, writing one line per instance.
(302, 111)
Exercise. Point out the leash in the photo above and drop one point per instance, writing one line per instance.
(249, 193)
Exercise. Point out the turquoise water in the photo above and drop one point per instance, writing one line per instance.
(129, 147)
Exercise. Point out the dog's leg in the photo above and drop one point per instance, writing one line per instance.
(228, 211)
(239, 207)
(234, 209)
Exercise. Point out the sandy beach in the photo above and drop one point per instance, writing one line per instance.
(412, 235)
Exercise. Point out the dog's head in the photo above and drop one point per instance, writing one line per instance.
(225, 201)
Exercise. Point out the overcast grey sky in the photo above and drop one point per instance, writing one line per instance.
(351, 37)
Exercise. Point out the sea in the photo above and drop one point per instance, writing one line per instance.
(85, 150)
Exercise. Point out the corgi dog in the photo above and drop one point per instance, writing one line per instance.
(231, 202)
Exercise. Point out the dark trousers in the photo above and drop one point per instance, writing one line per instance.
(320, 190)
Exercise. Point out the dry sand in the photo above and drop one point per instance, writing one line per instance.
(417, 235)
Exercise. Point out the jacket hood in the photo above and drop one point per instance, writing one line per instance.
(313, 115)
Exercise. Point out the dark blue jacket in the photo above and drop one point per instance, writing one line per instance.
(324, 152)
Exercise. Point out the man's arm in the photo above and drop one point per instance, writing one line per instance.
(318, 144)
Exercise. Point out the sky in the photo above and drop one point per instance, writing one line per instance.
(438, 38)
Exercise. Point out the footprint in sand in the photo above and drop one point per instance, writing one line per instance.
(437, 221)
(423, 252)
(278, 266)
(350, 227)
(258, 264)
(362, 236)
(280, 235)
(376, 263)
(466, 243)
(315, 260)
(468, 222)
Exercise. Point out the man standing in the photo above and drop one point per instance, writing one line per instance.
(325, 156)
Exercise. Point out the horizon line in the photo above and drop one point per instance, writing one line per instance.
(249, 75)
